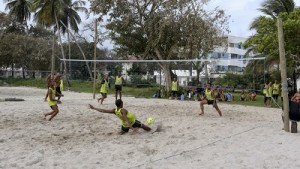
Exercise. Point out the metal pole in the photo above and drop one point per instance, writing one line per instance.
(283, 76)
(95, 53)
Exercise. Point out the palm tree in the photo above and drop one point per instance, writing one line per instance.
(272, 9)
(71, 20)
(19, 9)
(48, 13)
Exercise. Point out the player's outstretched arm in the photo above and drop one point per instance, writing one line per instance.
(102, 110)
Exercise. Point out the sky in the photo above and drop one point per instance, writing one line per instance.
(241, 12)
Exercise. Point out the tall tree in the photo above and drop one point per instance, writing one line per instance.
(265, 40)
(19, 9)
(156, 29)
(71, 20)
(49, 13)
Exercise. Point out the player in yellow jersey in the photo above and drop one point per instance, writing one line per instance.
(269, 94)
(174, 88)
(58, 85)
(210, 99)
(118, 85)
(52, 101)
(104, 88)
(276, 90)
(127, 118)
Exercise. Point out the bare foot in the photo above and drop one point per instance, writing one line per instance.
(200, 114)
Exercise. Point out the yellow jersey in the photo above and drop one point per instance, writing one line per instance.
(118, 80)
(104, 87)
(130, 116)
(276, 88)
(174, 86)
(51, 103)
(208, 94)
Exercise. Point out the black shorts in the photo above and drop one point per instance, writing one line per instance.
(118, 87)
(174, 93)
(209, 102)
(104, 95)
(58, 90)
(52, 107)
(137, 124)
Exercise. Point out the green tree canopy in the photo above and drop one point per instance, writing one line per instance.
(162, 30)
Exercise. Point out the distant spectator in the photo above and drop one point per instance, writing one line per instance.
(252, 95)
(243, 96)
(269, 94)
(229, 97)
(221, 95)
(296, 99)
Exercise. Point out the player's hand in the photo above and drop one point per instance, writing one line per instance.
(58, 102)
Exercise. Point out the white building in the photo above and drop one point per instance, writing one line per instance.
(228, 56)
(225, 59)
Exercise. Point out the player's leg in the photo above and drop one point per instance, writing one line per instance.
(217, 108)
(202, 103)
(138, 124)
(55, 108)
(120, 91)
(50, 113)
(103, 97)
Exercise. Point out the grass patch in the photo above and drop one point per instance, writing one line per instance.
(80, 86)
(87, 87)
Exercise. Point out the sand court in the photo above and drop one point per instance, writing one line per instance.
(78, 137)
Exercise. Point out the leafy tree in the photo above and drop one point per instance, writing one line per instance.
(159, 29)
(71, 19)
(265, 41)
(49, 13)
(23, 51)
(19, 9)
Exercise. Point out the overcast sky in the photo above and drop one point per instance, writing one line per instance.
(242, 13)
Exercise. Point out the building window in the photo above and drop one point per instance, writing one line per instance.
(240, 46)
(234, 56)
(231, 45)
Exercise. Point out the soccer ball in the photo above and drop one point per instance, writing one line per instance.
(150, 120)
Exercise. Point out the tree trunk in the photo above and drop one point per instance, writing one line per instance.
(63, 53)
(166, 71)
(23, 73)
(70, 69)
(80, 51)
(12, 70)
(53, 57)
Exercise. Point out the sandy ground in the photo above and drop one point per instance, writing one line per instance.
(245, 137)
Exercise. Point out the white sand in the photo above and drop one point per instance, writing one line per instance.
(245, 137)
